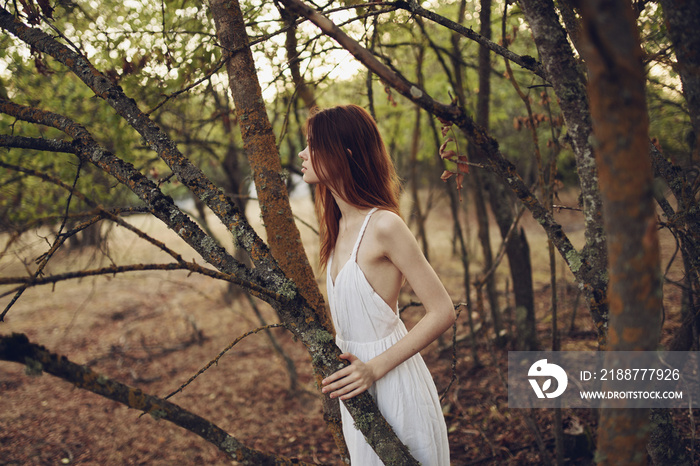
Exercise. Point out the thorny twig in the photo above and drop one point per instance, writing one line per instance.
(220, 355)
(43, 260)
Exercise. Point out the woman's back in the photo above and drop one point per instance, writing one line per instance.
(366, 326)
(381, 274)
(348, 162)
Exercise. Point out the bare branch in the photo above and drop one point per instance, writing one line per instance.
(224, 351)
(525, 61)
(193, 267)
(17, 348)
(160, 205)
(42, 144)
(58, 242)
(50, 179)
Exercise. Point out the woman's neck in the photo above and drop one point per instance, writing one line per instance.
(349, 212)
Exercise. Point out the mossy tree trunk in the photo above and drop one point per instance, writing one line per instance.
(266, 280)
(621, 130)
(569, 84)
(260, 146)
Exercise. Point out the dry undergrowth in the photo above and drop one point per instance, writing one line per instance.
(154, 330)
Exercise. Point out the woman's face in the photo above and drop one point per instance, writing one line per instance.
(307, 168)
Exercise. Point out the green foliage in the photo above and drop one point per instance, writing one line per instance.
(668, 116)
(152, 54)
(166, 57)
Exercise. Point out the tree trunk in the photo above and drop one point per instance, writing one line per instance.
(621, 128)
(417, 210)
(265, 280)
(683, 24)
(569, 85)
(303, 91)
(482, 118)
(518, 253)
(261, 149)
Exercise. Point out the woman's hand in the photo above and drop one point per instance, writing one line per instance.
(349, 381)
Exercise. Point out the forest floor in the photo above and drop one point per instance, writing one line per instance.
(154, 330)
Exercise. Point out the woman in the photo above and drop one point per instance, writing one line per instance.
(368, 251)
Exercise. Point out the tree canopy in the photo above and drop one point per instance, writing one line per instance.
(187, 111)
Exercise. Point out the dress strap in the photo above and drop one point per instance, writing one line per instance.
(353, 256)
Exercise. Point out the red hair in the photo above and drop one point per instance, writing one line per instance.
(349, 158)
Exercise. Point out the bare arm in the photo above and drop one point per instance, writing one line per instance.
(401, 249)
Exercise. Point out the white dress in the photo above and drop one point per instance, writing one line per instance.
(406, 396)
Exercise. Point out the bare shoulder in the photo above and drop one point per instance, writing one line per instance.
(389, 227)
(386, 221)
(392, 233)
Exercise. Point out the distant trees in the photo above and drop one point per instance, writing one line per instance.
(266, 280)
(139, 96)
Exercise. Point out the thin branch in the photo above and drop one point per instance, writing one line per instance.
(99, 211)
(42, 144)
(220, 355)
(524, 61)
(58, 242)
(502, 250)
(566, 207)
(458, 308)
(193, 267)
(17, 231)
(37, 359)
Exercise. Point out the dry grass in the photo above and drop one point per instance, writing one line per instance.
(154, 329)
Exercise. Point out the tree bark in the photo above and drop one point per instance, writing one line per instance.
(303, 91)
(37, 359)
(569, 85)
(621, 128)
(265, 280)
(521, 283)
(683, 24)
(518, 253)
(260, 146)
(417, 210)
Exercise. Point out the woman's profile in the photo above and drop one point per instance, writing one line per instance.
(368, 252)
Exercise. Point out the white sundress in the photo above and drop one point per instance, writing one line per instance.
(366, 326)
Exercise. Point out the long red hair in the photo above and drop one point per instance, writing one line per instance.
(349, 158)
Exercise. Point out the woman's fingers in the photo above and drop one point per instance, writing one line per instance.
(345, 390)
(344, 372)
(336, 376)
(349, 381)
(353, 393)
(334, 383)
(349, 356)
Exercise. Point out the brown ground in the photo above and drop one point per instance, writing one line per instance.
(155, 330)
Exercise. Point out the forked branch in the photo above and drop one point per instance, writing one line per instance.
(17, 348)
